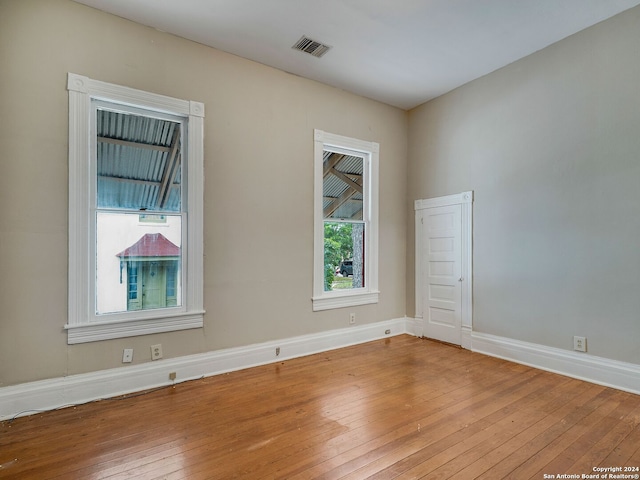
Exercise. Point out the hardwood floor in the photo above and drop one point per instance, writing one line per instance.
(397, 408)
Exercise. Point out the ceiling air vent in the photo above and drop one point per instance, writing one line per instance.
(317, 49)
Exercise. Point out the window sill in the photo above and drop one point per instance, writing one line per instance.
(340, 300)
(94, 332)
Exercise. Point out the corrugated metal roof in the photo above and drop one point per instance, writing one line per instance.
(351, 210)
(134, 154)
(151, 245)
(135, 128)
(334, 187)
(350, 164)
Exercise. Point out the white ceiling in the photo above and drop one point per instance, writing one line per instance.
(401, 52)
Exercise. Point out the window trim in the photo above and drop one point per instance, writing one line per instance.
(82, 324)
(321, 299)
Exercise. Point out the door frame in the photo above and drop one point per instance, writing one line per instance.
(465, 200)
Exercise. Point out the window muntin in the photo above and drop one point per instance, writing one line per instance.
(157, 197)
(346, 215)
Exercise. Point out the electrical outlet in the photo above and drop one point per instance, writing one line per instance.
(352, 318)
(127, 355)
(580, 344)
(156, 352)
(277, 351)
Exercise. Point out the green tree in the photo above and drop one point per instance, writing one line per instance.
(338, 246)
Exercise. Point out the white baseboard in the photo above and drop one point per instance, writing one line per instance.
(610, 373)
(29, 398)
(33, 397)
(414, 326)
(465, 340)
(602, 371)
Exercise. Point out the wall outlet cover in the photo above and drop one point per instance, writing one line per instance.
(580, 344)
(156, 352)
(127, 355)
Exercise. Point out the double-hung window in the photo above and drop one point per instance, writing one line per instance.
(135, 212)
(345, 221)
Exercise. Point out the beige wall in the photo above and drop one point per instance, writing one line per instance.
(551, 147)
(549, 144)
(258, 186)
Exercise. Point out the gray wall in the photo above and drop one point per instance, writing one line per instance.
(258, 238)
(551, 147)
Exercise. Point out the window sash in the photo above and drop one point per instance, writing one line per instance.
(119, 231)
(357, 257)
(147, 166)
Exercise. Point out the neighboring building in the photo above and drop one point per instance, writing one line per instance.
(136, 255)
(152, 272)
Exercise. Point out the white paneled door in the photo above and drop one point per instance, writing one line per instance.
(441, 268)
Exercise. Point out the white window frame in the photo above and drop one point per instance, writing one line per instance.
(83, 323)
(369, 151)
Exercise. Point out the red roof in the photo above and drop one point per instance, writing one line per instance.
(151, 245)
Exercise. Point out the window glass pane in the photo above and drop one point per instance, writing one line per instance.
(138, 263)
(343, 255)
(343, 195)
(139, 160)
(342, 186)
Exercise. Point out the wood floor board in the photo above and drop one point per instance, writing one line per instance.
(411, 435)
(547, 445)
(503, 455)
(475, 431)
(623, 452)
(401, 408)
(516, 418)
(618, 426)
(585, 436)
(349, 442)
(546, 432)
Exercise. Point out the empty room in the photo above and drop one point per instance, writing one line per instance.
(348, 239)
